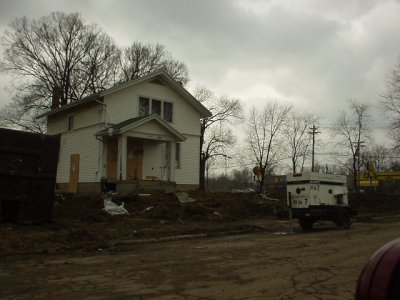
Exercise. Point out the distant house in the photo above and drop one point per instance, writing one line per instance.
(144, 130)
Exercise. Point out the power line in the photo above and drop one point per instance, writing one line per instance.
(373, 126)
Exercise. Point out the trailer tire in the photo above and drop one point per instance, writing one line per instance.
(344, 219)
(306, 223)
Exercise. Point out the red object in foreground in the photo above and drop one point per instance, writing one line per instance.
(380, 278)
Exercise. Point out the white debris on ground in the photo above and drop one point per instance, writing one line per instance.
(248, 190)
(146, 209)
(184, 197)
(267, 198)
(113, 208)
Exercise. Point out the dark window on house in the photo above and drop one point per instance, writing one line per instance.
(70, 124)
(156, 107)
(144, 106)
(177, 155)
(330, 191)
(167, 112)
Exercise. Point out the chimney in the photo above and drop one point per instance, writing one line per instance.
(63, 101)
(55, 101)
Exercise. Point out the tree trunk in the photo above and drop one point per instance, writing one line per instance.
(294, 165)
(202, 178)
(355, 173)
(261, 187)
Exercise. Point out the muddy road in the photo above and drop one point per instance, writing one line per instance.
(323, 264)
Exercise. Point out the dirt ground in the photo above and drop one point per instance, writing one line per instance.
(224, 246)
(80, 224)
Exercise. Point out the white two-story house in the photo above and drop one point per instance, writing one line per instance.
(146, 130)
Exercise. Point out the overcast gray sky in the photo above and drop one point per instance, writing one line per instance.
(314, 54)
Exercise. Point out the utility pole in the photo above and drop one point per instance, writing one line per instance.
(313, 132)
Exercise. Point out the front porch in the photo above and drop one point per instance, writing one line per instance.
(140, 152)
(129, 159)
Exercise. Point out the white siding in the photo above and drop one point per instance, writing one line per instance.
(188, 173)
(154, 161)
(152, 164)
(84, 143)
(152, 127)
(56, 124)
(124, 104)
(86, 116)
(120, 106)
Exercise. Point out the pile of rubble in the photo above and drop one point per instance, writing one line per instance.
(84, 223)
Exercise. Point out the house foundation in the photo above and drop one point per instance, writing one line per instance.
(125, 188)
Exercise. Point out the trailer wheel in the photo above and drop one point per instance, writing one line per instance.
(306, 223)
(344, 219)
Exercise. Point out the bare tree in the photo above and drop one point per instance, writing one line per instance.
(61, 50)
(264, 137)
(352, 133)
(237, 179)
(298, 139)
(220, 183)
(242, 178)
(391, 102)
(141, 59)
(215, 135)
(378, 156)
(58, 50)
(394, 165)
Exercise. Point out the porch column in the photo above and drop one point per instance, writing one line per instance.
(122, 156)
(172, 151)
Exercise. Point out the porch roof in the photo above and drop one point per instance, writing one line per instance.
(132, 123)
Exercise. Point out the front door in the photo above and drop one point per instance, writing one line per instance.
(112, 158)
(134, 165)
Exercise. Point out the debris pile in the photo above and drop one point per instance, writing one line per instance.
(84, 223)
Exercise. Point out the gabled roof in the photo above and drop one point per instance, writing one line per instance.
(160, 74)
(136, 122)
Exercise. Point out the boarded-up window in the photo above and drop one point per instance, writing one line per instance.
(167, 112)
(156, 107)
(144, 106)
